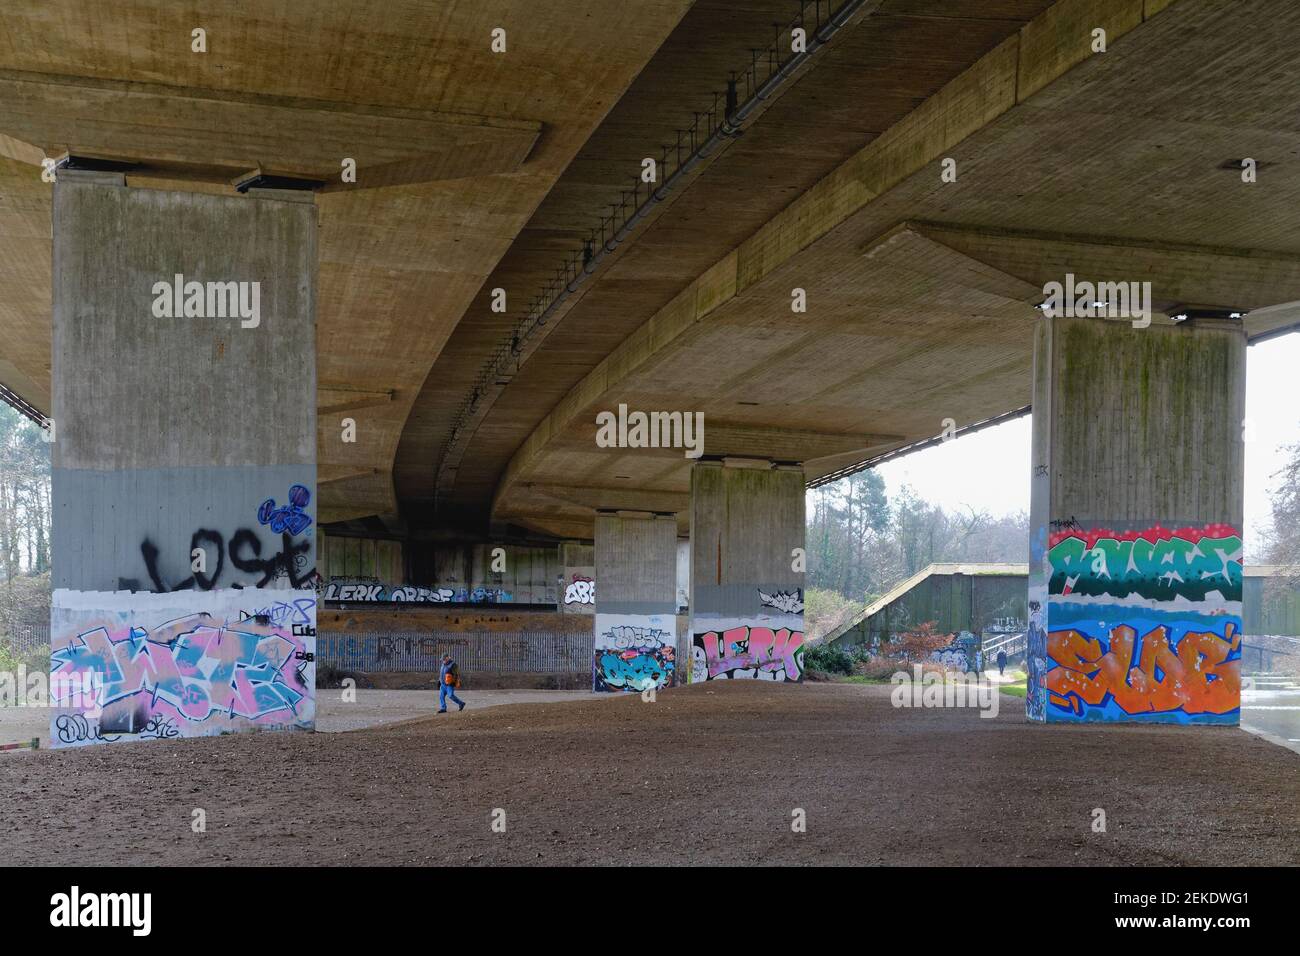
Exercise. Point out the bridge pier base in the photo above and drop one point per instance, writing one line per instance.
(184, 462)
(747, 570)
(636, 602)
(1136, 513)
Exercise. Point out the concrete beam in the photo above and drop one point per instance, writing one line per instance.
(225, 133)
(1254, 281)
(611, 499)
(988, 90)
(331, 400)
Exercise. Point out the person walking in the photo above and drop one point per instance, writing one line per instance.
(448, 681)
(1002, 662)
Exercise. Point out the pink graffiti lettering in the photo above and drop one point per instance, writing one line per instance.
(753, 648)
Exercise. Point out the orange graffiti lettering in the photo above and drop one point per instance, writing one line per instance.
(1197, 677)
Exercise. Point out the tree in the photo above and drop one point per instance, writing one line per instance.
(918, 644)
(1282, 541)
(24, 522)
(860, 544)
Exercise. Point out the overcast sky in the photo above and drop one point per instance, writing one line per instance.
(989, 470)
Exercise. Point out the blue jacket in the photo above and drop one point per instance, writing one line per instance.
(442, 674)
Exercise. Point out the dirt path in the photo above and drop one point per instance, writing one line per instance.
(706, 774)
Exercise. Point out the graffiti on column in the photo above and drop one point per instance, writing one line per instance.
(761, 653)
(275, 553)
(634, 652)
(243, 553)
(1140, 624)
(164, 669)
(767, 644)
(291, 517)
(1036, 657)
(788, 602)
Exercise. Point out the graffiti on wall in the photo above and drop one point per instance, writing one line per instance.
(634, 652)
(418, 595)
(581, 590)
(210, 664)
(297, 610)
(391, 647)
(1141, 624)
(481, 652)
(762, 653)
(352, 590)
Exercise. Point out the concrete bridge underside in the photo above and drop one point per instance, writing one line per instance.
(482, 170)
(853, 261)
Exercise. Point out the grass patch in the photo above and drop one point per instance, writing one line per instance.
(861, 679)
(1015, 690)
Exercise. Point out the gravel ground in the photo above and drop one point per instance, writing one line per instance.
(706, 774)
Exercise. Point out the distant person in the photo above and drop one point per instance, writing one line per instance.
(1002, 662)
(448, 681)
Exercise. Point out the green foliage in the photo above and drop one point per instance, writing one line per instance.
(826, 610)
(35, 660)
(827, 658)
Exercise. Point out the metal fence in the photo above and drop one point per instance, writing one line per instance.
(27, 637)
(485, 652)
(1013, 644)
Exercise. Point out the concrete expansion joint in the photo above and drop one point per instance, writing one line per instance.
(762, 464)
(261, 185)
(90, 177)
(1208, 320)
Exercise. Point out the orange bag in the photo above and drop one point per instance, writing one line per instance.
(448, 679)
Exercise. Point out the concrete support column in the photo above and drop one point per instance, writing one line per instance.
(1135, 559)
(747, 564)
(636, 604)
(184, 462)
